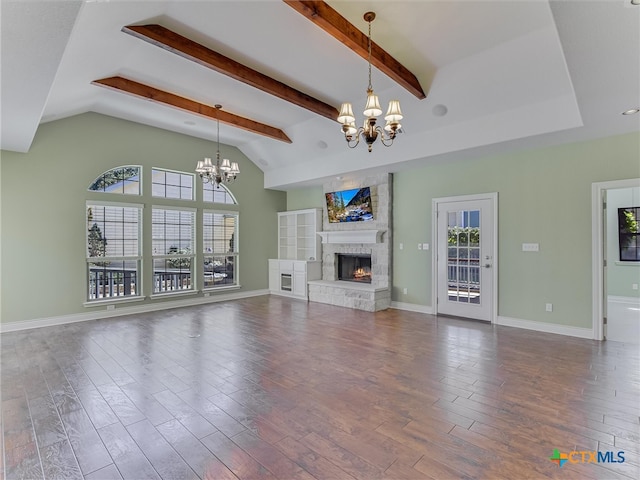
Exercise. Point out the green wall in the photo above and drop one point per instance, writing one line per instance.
(43, 198)
(301, 198)
(544, 197)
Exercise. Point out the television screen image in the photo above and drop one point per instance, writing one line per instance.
(349, 205)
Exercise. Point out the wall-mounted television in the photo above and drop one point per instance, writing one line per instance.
(349, 205)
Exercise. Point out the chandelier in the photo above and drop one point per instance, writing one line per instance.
(225, 172)
(369, 132)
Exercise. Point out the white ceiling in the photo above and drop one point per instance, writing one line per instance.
(512, 74)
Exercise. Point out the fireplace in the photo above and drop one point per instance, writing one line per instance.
(354, 268)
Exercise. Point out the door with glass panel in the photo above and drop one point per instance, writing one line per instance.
(465, 258)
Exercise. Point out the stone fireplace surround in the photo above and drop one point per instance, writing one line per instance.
(356, 238)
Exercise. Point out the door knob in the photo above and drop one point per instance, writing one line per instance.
(487, 265)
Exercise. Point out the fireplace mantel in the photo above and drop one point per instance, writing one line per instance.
(352, 236)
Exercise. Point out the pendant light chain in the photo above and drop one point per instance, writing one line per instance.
(370, 86)
(218, 133)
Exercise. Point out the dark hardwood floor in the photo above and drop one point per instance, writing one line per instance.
(275, 388)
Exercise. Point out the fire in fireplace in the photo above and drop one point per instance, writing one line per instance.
(354, 268)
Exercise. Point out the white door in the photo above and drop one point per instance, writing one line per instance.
(466, 257)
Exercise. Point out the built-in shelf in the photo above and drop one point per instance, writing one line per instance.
(352, 236)
(299, 252)
(297, 239)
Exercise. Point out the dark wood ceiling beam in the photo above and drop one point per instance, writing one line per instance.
(147, 92)
(339, 27)
(187, 48)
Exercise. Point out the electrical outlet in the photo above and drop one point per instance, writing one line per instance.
(404, 291)
(425, 246)
(206, 294)
(634, 286)
(111, 307)
(549, 307)
(419, 246)
(530, 247)
(402, 246)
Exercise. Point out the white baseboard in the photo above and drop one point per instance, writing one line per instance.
(412, 307)
(579, 332)
(120, 311)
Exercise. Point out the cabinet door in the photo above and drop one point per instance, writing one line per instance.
(300, 284)
(274, 275)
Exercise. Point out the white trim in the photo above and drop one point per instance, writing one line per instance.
(598, 190)
(222, 212)
(579, 332)
(412, 307)
(174, 293)
(221, 288)
(493, 196)
(117, 312)
(103, 203)
(113, 300)
(174, 207)
(351, 236)
(635, 301)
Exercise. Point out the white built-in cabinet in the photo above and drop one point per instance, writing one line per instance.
(299, 252)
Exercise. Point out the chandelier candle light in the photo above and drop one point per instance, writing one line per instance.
(369, 131)
(225, 172)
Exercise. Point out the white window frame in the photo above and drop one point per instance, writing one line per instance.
(137, 258)
(177, 172)
(140, 185)
(164, 256)
(235, 253)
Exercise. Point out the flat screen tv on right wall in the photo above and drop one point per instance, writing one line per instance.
(349, 205)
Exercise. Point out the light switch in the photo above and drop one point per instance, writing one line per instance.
(402, 246)
(425, 246)
(419, 246)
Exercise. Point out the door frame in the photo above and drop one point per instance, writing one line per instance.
(435, 202)
(598, 190)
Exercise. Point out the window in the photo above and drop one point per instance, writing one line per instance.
(114, 238)
(629, 234)
(113, 250)
(173, 249)
(220, 245)
(124, 180)
(167, 184)
(217, 194)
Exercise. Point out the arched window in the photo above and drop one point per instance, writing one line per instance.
(124, 180)
(217, 194)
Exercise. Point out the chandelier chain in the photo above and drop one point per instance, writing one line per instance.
(218, 132)
(369, 38)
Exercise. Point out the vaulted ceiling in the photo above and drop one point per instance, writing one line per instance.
(498, 75)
